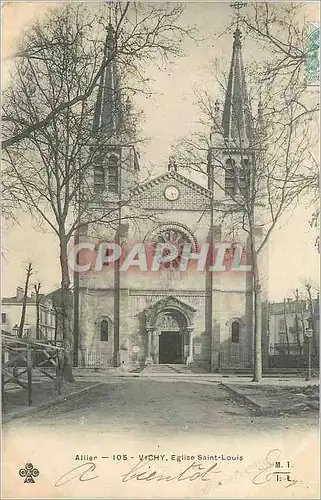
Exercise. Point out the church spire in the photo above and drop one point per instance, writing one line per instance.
(108, 109)
(236, 120)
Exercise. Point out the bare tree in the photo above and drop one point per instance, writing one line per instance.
(24, 300)
(143, 33)
(272, 171)
(308, 287)
(298, 321)
(286, 327)
(293, 42)
(51, 149)
(283, 30)
(37, 287)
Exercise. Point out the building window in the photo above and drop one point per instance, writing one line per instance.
(244, 175)
(99, 178)
(230, 182)
(113, 174)
(4, 318)
(235, 332)
(104, 330)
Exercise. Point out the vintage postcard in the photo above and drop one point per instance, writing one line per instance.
(160, 251)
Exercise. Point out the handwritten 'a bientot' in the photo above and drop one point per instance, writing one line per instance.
(141, 472)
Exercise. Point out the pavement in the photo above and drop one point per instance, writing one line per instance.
(44, 394)
(272, 396)
(154, 414)
(160, 406)
(277, 396)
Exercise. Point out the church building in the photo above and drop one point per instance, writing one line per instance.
(136, 318)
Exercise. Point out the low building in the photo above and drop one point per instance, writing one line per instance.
(288, 321)
(11, 308)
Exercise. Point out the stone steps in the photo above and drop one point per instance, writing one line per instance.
(154, 369)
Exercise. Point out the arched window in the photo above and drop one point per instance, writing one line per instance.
(99, 178)
(244, 175)
(104, 330)
(235, 332)
(230, 181)
(113, 174)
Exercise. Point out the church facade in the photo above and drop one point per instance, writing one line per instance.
(139, 317)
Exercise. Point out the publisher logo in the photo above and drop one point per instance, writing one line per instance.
(29, 473)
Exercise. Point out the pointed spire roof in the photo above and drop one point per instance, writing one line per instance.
(236, 120)
(108, 109)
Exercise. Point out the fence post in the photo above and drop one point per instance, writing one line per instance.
(29, 373)
(58, 371)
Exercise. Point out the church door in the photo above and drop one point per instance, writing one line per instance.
(171, 348)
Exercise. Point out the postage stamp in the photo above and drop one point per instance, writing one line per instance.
(313, 55)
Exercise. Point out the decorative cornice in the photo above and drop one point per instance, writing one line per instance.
(173, 175)
(166, 293)
(158, 293)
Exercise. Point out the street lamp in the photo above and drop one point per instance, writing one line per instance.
(15, 330)
(308, 334)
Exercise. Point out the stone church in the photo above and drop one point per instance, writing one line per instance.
(136, 318)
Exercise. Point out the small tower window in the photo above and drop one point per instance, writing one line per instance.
(243, 174)
(235, 332)
(104, 330)
(230, 184)
(113, 174)
(99, 179)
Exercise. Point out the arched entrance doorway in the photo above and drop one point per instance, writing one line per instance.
(168, 332)
(171, 329)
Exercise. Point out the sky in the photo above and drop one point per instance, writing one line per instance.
(169, 115)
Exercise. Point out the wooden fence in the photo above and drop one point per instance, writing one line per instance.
(21, 357)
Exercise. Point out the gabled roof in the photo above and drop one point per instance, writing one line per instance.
(16, 300)
(30, 300)
(173, 175)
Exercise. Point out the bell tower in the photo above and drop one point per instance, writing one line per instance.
(235, 165)
(116, 167)
(232, 133)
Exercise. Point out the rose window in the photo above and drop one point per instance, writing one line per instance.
(175, 237)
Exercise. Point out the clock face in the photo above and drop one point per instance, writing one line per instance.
(171, 193)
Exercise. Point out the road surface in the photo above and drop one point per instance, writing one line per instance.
(166, 406)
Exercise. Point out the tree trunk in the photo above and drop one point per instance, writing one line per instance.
(56, 309)
(37, 319)
(37, 292)
(314, 337)
(24, 301)
(286, 328)
(297, 325)
(65, 305)
(297, 331)
(257, 375)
